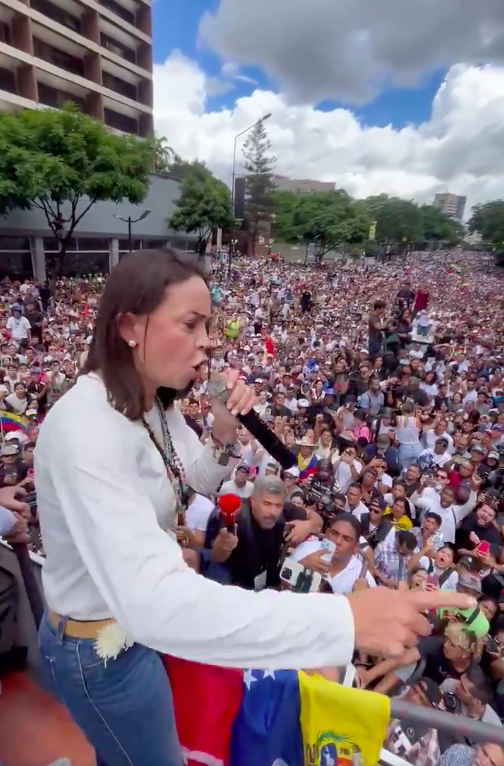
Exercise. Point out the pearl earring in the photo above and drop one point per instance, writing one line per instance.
(131, 343)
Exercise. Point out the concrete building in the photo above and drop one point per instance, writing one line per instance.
(95, 53)
(302, 185)
(27, 245)
(451, 205)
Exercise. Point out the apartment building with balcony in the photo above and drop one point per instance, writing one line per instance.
(451, 204)
(96, 53)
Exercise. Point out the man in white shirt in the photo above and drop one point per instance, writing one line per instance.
(345, 566)
(239, 485)
(18, 326)
(354, 502)
(443, 503)
(346, 470)
(439, 453)
(196, 517)
(431, 435)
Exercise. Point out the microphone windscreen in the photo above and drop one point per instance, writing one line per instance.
(228, 505)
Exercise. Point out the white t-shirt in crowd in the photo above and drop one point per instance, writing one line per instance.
(231, 488)
(18, 328)
(358, 510)
(343, 476)
(429, 439)
(198, 513)
(344, 581)
(451, 582)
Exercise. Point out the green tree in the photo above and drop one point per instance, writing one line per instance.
(437, 226)
(398, 222)
(259, 182)
(488, 220)
(325, 219)
(63, 162)
(373, 205)
(164, 155)
(182, 169)
(204, 205)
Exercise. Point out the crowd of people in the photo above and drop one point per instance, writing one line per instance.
(386, 382)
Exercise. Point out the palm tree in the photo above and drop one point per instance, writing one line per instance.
(165, 155)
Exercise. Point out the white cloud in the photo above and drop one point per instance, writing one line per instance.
(347, 49)
(459, 149)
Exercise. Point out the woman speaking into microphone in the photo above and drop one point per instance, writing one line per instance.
(113, 465)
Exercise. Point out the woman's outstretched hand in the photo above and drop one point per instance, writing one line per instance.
(389, 621)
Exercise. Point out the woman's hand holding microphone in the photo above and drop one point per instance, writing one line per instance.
(240, 401)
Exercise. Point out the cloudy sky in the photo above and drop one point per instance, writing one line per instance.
(397, 96)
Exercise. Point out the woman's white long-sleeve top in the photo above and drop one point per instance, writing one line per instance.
(105, 504)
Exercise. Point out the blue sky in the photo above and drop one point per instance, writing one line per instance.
(444, 132)
(175, 25)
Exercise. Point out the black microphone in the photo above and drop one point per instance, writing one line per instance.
(267, 438)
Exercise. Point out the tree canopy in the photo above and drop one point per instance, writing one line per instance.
(63, 162)
(402, 222)
(324, 219)
(204, 204)
(488, 220)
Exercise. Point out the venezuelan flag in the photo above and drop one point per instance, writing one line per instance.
(11, 422)
(261, 717)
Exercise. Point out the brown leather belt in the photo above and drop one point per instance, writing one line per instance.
(75, 628)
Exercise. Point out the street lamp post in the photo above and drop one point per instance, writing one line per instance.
(129, 220)
(233, 175)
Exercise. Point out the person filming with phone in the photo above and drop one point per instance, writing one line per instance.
(340, 560)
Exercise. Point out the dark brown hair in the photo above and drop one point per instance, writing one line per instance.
(136, 285)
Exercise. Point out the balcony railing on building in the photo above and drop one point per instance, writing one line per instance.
(59, 58)
(120, 121)
(8, 80)
(118, 48)
(5, 33)
(50, 96)
(114, 83)
(119, 10)
(57, 14)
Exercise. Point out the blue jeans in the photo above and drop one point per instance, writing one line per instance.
(124, 708)
(409, 454)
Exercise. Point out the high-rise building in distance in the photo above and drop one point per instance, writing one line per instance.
(96, 53)
(302, 185)
(451, 205)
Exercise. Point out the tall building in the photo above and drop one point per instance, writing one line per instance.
(302, 185)
(451, 204)
(97, 53)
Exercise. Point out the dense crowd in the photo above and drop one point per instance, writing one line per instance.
(386, 381)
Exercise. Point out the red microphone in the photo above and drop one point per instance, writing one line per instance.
(229, 508)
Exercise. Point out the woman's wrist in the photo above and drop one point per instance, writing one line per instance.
(224, 435)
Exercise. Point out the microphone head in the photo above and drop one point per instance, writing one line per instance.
(229, 507)
(216, 387)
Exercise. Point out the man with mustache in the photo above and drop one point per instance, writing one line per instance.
(250, 557)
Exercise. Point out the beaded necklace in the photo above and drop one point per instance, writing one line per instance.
(172, 462)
